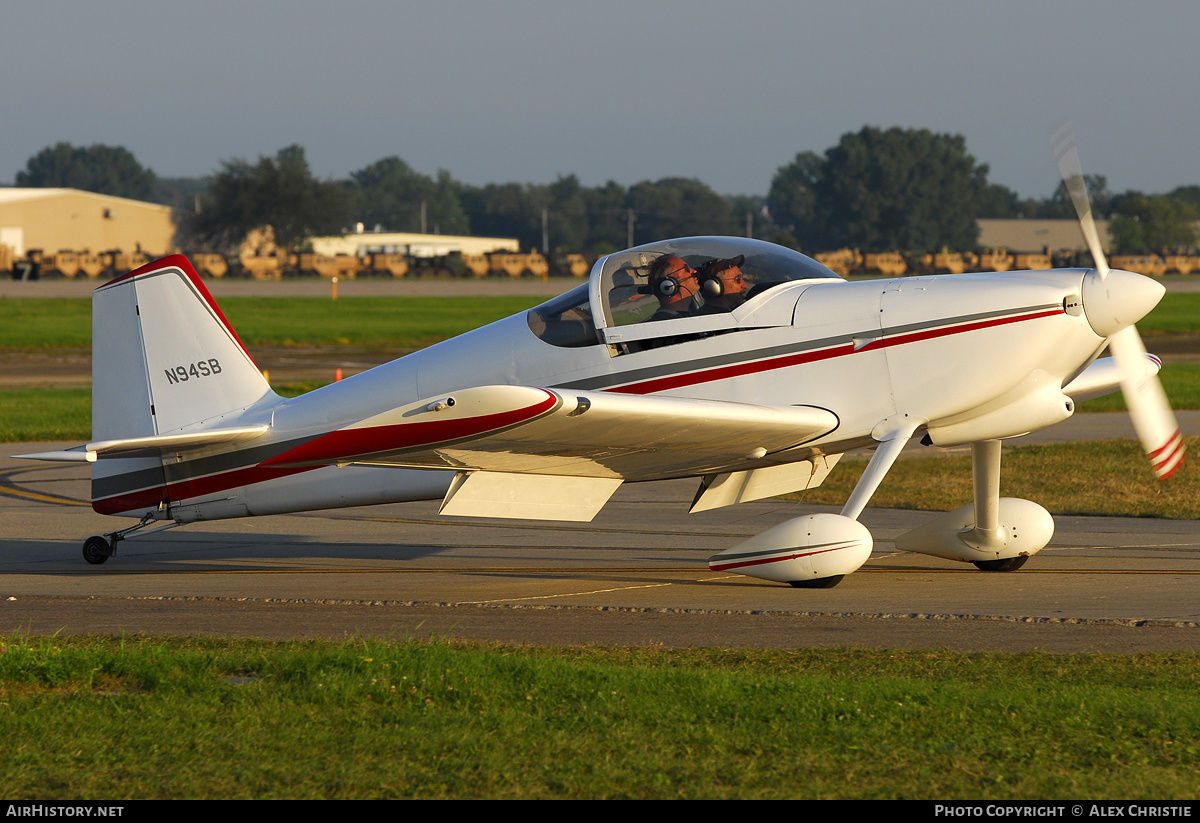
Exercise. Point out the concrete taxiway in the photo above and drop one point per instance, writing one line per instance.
(636, 575)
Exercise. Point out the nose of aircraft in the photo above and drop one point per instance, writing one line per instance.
(1119, 300)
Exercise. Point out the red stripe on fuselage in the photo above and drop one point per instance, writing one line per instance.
(676, 381)
(192, 488)
(376, 439)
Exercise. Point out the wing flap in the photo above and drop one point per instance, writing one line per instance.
(527, 496)
(731, 488)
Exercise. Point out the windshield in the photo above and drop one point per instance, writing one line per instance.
(565, 321)
(694, 275)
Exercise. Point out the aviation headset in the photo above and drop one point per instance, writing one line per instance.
(667, 287)
(709, 275)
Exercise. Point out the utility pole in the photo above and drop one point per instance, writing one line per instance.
(629, 228)
(545, 231)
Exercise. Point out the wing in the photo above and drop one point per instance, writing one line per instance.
(543, 431)
(542, 453)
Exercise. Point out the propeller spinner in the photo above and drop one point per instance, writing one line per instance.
(1113, 301)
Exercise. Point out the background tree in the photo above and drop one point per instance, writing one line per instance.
(1156, 223)
(1187, 194)
(567, 213)
(388, 193)
(792, 200)
(899, 189)
(999, 201)
(99, 168)
(180, 193)
(506, 210)
(607, 217)
(1059, 206)
(754, 208)
(280, 192)
(678, 207)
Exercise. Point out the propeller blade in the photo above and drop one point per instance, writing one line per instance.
(1144, 396)
(1062, 142)
(1152, 418)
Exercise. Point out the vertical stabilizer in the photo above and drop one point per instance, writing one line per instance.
(163, 355)
(164, 359)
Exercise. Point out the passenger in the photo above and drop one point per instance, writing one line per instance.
(722, 285)
(675, 285)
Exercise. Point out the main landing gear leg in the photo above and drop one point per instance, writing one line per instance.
(97, 549)
(996, 534)
(985, 470)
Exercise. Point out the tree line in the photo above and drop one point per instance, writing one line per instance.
(876, 190)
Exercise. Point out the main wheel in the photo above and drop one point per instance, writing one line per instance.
(96, 550)
(817, 582)
(1008, 564)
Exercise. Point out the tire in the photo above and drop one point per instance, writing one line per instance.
(817, 583)
(96, 550)
(1008, 564)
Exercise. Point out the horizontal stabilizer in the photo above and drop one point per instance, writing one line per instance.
(148, 446)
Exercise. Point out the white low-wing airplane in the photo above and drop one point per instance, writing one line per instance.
(745, 365)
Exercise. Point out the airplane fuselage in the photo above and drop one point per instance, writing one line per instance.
(974, 356)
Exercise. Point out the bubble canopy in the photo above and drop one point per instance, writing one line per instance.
(625, 289)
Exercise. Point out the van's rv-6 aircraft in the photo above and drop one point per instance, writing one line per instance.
(543, 415)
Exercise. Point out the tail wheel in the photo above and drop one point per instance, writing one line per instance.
(1008, 564)
(96, 550)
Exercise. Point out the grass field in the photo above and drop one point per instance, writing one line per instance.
(204, 718)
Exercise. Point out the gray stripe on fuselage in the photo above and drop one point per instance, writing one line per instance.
(151, 478)
(716, 361)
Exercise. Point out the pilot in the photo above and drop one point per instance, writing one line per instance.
(722, 285)
(675, 285)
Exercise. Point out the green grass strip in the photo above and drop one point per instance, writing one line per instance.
(31, 415)
(206, 718)
(1110, 477)
(362, 322)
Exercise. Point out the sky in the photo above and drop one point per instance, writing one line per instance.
(527, 90)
